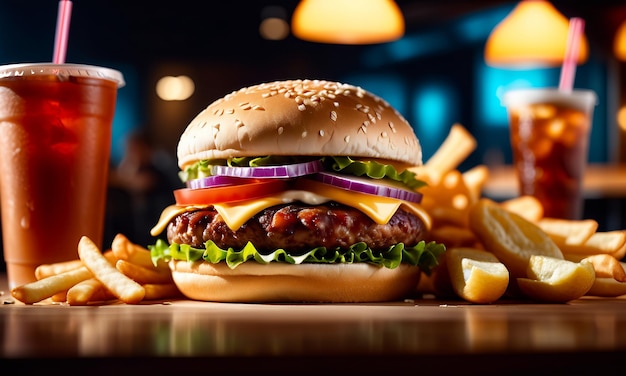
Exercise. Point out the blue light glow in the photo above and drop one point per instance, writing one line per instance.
(434, 105)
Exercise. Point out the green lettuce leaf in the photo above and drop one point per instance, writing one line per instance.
(425, 255)
(373, 169)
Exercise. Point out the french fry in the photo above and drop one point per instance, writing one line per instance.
(83, 292)
(448, 201)
(605, 265)
(124, 249)
(475, 179)
(143, 275)
(527, 207)
(157, 291)
(456, 147)
(119, 284)
(59, 297)
(620, 253)
(47, 287)
(609, 242)
(568, 232)
(47, 270)
(607, 288)
(453, 236)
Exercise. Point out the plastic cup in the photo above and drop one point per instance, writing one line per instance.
(549, 132)
(55, 127)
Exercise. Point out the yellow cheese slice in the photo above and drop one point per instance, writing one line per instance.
(235, 214)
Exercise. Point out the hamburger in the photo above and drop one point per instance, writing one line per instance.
(297, 191)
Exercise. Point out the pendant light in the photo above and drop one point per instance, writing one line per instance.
(534, 34)
(348, 21)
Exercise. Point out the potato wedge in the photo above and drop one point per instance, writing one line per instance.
(556, 280)
(476, 275)
(510, 237)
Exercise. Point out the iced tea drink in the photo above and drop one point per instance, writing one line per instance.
(55, 141)
(549, 131)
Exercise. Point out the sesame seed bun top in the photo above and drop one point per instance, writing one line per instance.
(300, 118)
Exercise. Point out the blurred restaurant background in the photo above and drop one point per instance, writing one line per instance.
(179, 56)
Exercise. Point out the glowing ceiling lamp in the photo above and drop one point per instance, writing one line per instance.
(534, 34)
(348, 21)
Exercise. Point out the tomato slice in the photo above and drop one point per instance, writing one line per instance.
(208, 196)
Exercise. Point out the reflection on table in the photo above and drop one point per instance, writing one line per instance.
(370, 334)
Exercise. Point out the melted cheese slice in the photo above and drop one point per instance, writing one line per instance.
(235, 214)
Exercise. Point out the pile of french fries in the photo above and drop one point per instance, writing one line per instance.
(124, 273)
(450, 194)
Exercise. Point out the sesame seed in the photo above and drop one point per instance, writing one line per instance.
(383, 134)
(322, 132)
(333, 115)
(346, 139)
(258, 108)
(392, 127)
(230, 111)
(363, 109)
(304, 134)
(281, 130)
(239, 123)
(363, 128)
(301, 107)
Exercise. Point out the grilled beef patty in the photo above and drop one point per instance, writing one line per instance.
(297, 228)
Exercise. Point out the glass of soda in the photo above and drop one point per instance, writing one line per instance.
(549, 134)
(55, 126)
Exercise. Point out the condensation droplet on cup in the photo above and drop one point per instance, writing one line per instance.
(25, 220)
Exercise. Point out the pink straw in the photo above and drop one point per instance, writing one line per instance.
(572, 49)
(62, 33)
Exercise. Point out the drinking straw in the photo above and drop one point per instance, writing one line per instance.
(62, 32)
(572, 49)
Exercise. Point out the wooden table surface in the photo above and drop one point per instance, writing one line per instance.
(406, 337)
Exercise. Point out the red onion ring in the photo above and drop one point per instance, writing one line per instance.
(269, 172)
(368, 186)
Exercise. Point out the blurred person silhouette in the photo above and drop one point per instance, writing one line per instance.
(140, 187)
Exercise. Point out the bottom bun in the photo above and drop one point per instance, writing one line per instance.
(278, 282)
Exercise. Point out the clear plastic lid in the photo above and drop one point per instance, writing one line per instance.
(62, 70)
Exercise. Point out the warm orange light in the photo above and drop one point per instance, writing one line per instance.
(170, 88)
(534, 34)
(619, 43)
(348, 21)
(621, 118)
